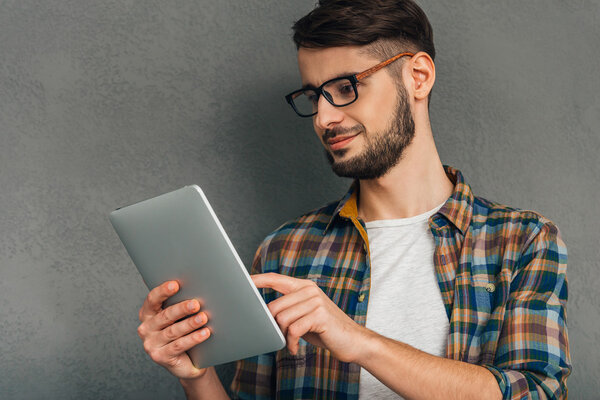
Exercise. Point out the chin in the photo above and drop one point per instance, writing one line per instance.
(341, 154)
(338, 156)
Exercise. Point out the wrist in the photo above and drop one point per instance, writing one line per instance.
(367, 340)
(193, 387)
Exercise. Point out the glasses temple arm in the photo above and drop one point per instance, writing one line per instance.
(381, 65)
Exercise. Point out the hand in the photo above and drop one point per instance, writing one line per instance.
(305, 311)
(165, 339)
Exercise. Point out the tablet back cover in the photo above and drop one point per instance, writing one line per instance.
(177, 236)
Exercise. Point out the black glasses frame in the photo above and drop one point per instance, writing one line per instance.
(353, 80)
(319, 91)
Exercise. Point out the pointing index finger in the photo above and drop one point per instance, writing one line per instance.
(280, 283)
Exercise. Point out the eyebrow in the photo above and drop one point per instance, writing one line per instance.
(342, 75)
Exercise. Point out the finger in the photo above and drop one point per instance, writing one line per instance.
(172, 355)
(183, 344)
(290, 315)
(182, 328)
(281, 283)
(157, 296)
(296, 330)
(172, 314)
(288, 300)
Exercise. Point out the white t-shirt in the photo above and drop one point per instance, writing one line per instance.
(405, 301)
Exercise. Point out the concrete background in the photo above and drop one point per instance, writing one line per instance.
(107, 103)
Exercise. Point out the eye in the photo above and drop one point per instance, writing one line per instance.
(346, 89)
(342, 90)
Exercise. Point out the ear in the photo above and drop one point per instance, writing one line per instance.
(422, 74)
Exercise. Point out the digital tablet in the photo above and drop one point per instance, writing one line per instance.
(177, 236)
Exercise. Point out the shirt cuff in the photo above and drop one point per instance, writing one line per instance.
(516, 385)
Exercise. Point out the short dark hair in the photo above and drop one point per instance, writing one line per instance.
(336, 23)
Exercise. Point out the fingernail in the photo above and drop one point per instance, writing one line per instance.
(202, 334)
(171, 286)
(191, 305)
(198, 319)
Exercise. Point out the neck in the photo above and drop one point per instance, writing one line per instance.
(417, 184)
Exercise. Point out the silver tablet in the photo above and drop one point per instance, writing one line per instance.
(177, 236)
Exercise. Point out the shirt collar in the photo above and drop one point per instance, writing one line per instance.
(457, 209)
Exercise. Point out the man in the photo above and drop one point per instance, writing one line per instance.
(410, 285)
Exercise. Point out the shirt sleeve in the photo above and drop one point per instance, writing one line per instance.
(254, 376)
(532, 360)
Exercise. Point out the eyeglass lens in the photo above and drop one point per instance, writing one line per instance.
(338, 92)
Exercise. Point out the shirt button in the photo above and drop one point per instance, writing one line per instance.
(490, 287)
(361, 298)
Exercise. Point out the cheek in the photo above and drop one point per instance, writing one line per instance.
(378, 104)
(317, 130)
(376, 113)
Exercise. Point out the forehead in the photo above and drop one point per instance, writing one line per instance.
(319, 65)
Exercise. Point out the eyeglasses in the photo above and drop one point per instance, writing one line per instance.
(339, 92)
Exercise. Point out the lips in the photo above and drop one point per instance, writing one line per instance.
(338, 142)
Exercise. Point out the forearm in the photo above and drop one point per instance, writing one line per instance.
(417, 375)
(207, 387)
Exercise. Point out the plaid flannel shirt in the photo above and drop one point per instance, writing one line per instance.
(501, 272)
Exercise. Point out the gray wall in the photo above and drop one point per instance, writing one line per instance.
(106, 103)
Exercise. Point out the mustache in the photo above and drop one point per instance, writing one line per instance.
(338, 131)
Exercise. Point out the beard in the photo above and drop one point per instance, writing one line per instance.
(382, 152)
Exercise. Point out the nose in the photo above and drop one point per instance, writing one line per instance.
(328, 115)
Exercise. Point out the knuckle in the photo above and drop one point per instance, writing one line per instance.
(155, 355)
(319, 300)
(164, 316)
(178, 347)
(281, 320)
(141, 331)
(312, 289)
(320, 311)
(169, 333)
(293, 331)
(314, 301)
(151, 299)
(147, 348)
(172, 362)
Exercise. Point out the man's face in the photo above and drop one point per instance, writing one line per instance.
(366, 138)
